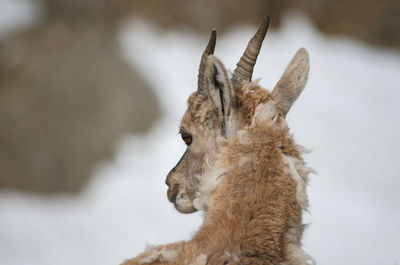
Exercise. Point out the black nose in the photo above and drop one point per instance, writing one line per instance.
(167, 181)
(172, 195)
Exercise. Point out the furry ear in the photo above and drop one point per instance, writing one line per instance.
(219, 88)
(292, 82)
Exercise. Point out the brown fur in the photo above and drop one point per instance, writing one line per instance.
(240, 154)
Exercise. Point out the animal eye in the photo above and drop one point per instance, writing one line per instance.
(186, 138)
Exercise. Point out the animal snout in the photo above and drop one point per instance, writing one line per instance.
(170, 181)
(172, 193)
(167, 181)
(172, 187)
(169, 177)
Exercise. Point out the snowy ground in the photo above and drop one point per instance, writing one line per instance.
(18, 14)
(348, 114)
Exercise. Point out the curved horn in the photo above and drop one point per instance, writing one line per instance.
(244, 68)
(208, 51)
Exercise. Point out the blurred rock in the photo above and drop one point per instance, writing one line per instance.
(65, 97)
(80, 11)
(206, 14)
(373, 21)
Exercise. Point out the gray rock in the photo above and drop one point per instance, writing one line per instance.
(66, 96)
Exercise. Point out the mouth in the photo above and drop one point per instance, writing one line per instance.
(184, 204)
(181, 202)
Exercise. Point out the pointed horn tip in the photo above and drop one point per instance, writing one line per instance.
(266, 20)
(262, 30)
(213, 36)
(211, 43)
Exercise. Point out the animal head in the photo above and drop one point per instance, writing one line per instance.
(223, 107)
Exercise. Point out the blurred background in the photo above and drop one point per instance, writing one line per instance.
(91, 93)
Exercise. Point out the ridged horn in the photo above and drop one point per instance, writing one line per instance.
(201, 84)
(244, 68)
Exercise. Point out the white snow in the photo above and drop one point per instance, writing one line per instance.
(348, 114)
(18, 14)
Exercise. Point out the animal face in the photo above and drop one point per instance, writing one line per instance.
(200, 129)
(222, 107)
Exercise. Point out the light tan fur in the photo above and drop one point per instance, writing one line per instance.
(243, 169)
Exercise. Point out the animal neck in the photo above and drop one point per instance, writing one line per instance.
(249, 160)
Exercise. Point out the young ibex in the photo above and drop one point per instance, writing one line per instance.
(241, 167)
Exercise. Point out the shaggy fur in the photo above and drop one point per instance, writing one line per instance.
(244, 170)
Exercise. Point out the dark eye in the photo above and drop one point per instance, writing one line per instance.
(186, 138)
